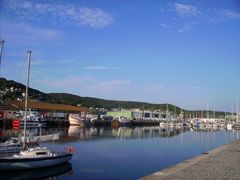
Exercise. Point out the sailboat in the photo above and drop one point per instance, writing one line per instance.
(37, 156)
(237, 124)
(12, 145)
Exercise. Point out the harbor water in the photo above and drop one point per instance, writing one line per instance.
(121, 153)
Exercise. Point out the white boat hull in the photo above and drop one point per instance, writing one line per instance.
(33, 163)
(78, 121)
(75, 121)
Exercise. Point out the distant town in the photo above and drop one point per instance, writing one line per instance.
(68, 109)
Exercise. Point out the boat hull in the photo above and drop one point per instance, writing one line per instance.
(33, 163)
(43, 173)
(75, 121)
(79, 122)
(34, 124)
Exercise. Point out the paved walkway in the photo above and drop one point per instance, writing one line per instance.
(221, 163)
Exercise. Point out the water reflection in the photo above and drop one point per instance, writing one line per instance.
(123, 132)
(126, 152)
(44, 173)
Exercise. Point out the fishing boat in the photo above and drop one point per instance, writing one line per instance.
(33, 120)
(36, 156)
(124, 121)
(79, 120)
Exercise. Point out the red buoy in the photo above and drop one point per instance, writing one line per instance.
(71, 150)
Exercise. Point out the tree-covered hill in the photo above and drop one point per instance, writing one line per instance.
(11, 90)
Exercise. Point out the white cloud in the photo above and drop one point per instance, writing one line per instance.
(186, 10)
(99, 68)
(163, 25)
(22, 32)
(230, 14)
(87, 86)
(187, 27)
(80, 15)
(218, 16)
(95, 18)
(211, 15)
(203, 16)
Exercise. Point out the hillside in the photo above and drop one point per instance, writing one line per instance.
(14, 90)
(108, 104)
(11, 90)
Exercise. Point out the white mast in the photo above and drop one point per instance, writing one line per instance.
(1, 52)
(237, 111)
(207, 112)
(26, 96)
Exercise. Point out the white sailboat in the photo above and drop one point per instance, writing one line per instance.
(33, 157)
(237, 124)
(12, 145)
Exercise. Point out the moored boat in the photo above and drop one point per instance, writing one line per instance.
(124, 121)
(33, 120)
(78, 120)
(32, 158)
(229, 126)
(43, 173)
(9, 147)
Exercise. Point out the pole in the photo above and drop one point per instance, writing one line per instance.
(1, 53)
(237, 112)
(26, 97)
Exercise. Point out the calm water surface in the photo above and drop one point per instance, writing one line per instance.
(123, 153)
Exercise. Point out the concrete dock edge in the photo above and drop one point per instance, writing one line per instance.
(220, 163)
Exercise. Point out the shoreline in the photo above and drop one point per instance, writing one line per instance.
(220, 163)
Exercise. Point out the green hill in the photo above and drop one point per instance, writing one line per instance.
(11, 90)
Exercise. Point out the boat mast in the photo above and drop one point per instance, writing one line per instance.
(237, 112)
(1, 52)
(26, 97)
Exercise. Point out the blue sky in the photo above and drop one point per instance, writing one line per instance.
(181, 52)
